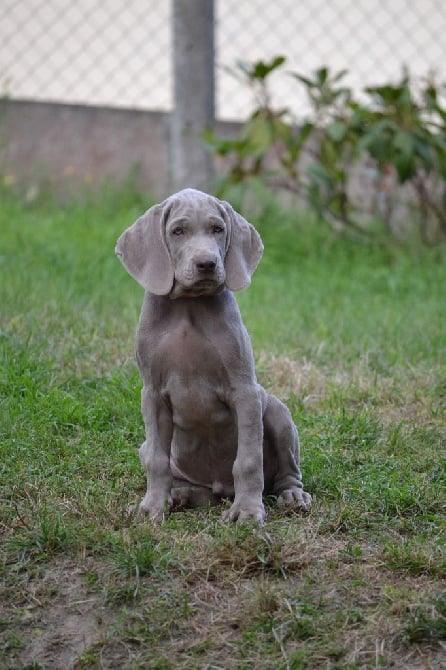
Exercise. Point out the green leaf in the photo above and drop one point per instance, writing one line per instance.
(377, 141)
(282, 131)
(405, 167)
(387, 94)
(304, 80)
(322, 75)
(339, 75)
(305, 131)
(442, 167)
(424, 150)
(328, 155)
(220, 146)
(262, 69)
(258, 133)
(337, 131)
(404, 142)
(277, 62)
(316, 171)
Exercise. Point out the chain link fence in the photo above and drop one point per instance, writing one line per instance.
(113, 53)
(117, 53)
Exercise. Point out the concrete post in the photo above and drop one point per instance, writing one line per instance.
(193, 56)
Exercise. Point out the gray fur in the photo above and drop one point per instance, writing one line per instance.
(212, 431)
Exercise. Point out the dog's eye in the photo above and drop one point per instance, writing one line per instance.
(178, 230)
(218, 229)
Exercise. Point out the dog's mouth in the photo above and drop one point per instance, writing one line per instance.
(201, 287)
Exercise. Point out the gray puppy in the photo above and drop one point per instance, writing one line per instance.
(212, 431)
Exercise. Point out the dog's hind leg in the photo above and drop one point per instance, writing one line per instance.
(281, 456)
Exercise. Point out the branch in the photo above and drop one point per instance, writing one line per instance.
(425, 197)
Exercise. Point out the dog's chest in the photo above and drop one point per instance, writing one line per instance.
(190, 369)
(184, 342)
(191, 362)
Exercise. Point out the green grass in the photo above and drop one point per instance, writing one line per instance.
(352, 337)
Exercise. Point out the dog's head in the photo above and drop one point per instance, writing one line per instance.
(191, 244)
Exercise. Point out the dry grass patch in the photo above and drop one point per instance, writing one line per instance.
(284, 596)
(412, 395)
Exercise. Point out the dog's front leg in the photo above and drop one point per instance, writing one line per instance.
(248, 465)
(155, 455)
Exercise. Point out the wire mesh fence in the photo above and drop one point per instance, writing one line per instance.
(372, 39)
(89, 52)
(118, 53)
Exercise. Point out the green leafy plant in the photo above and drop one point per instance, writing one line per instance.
(390, 148)
(406, 134)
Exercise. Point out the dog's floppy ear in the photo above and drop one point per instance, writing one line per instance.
(143, 252)
(244, 251)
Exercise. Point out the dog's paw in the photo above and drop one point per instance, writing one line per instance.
(296, 497)
(157, 512)
(245, 513)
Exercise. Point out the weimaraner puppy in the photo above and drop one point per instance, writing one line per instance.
(212, 431)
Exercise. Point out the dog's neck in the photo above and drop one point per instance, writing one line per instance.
(189, 304)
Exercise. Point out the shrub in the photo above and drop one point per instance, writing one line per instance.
(358, 165)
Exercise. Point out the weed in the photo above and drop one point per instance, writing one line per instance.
(427, 623)
(416, 556)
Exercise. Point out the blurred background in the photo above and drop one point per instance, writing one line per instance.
(117, 55)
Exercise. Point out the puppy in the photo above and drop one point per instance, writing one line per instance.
(212, 431)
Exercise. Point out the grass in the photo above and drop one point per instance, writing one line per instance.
(350, 336)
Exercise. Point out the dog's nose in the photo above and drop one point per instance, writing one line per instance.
(206, 264)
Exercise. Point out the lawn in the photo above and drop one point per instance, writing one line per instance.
(351, 336)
